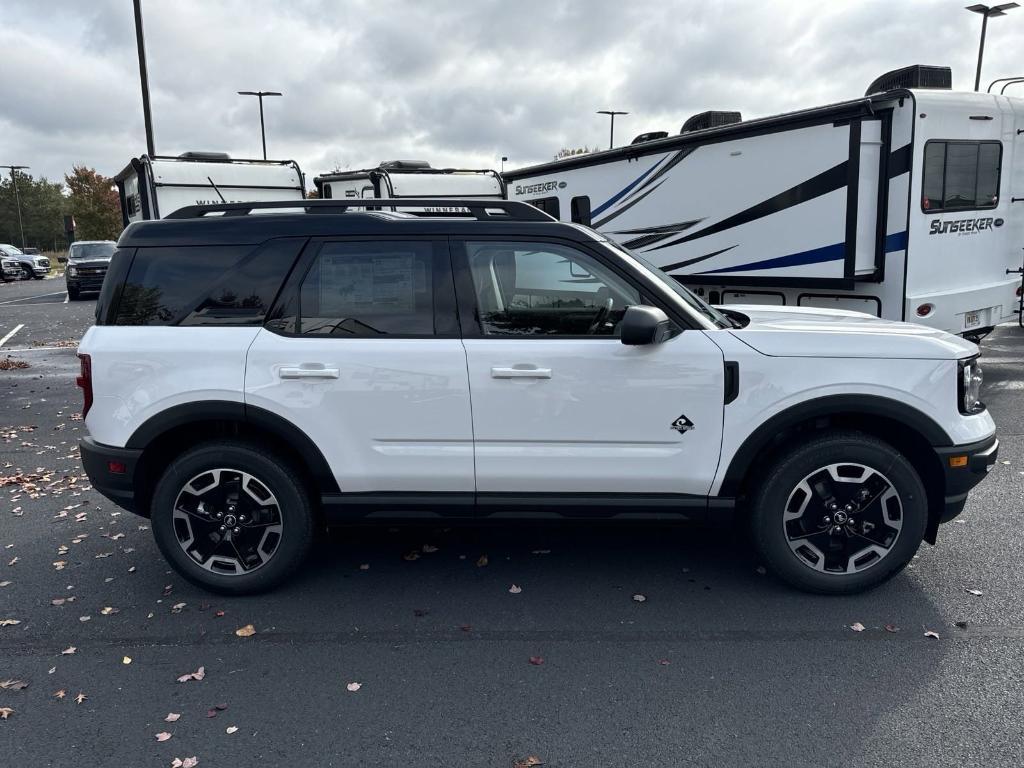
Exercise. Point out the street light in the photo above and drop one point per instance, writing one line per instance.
(260, 95)
(987, 13)
(17, 197)
(503, 161)
(611, 113)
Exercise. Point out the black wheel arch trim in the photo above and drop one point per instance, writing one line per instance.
(254, 416)
(821, 407)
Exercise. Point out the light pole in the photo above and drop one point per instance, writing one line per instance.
(986, 12)
(260, 95)
(17, 197)
(140, 45)
(503, 161)
(611, 133)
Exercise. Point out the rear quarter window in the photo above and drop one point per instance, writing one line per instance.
(204, 285)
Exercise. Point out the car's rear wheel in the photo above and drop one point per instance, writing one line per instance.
(839, 514)
(232, 517)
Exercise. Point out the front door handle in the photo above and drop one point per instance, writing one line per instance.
(308, 372)
(521, 372)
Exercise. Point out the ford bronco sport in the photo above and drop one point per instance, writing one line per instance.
(252, 378)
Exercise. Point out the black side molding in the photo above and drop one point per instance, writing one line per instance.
(732, 380)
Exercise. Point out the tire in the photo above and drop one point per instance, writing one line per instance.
(74, 294)
(808, 542)
(211, 474)
(26, 272)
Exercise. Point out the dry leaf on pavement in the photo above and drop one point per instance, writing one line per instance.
(5, 712)
(482, 561)
(354, 686)
(640, 598)
(857, 626)
(163, 736)
(60, 694)
(199, 674)
(231, 729)
(975, 592)
(536, 660)
(172, 717)
(528, 762)
(68, 651)
(13, 685)
(9, 622)
(932, 634)
(126, 660)
(515, 589)
(247, 631)
(80, 697)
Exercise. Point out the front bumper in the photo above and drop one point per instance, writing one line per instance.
(85, 283)
(964, 466)
(97, 459)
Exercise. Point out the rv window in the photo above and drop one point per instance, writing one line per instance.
(369, 289)
(547, 204)
(960, 175)
(542, 289)
(581, 210)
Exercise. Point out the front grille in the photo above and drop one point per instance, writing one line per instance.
(92, 271)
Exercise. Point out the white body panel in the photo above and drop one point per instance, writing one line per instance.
(790, 212)
(383, 182)
(390, 415)
(600, 418)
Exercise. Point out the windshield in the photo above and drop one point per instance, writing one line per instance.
(692, 300)
(91, 251)
(10, 250)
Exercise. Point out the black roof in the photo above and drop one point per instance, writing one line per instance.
(322, 218)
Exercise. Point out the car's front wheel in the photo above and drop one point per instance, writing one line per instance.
(232, 517)
(839, 514)
(74, 294)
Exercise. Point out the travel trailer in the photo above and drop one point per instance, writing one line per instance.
(906, 204)
(411, 178)
(153, 187)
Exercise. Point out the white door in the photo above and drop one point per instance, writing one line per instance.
(560, 405)
(366, 360)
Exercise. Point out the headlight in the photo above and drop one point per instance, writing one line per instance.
(72, 271)
(971, 378)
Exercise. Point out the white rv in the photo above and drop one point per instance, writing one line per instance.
(906, 204)
(411, 178)
(153, 187)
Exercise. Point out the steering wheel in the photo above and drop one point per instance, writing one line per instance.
(602, 315)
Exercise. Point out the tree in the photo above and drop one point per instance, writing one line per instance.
(42, 207)
(94, 204)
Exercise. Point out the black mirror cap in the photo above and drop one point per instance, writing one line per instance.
(644, 325)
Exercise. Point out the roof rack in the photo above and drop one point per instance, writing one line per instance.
(482, 210)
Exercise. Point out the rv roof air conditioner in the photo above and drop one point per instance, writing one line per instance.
(650, 136)
(210, 157)
(914, 76)
(710, 119)
(404, 164)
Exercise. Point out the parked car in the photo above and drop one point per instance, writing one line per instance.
(87, 263)
(32, 265)
(10, 267)
(252, 377)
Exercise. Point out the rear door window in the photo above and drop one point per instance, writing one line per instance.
(960, 175)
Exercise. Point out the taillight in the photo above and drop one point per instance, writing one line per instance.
(84, 381)
(1020, 291)
(924, 310)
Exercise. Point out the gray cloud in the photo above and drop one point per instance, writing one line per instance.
(456, 83)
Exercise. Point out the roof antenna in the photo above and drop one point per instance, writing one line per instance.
(216, 190)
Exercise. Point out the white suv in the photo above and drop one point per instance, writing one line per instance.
(252, 378)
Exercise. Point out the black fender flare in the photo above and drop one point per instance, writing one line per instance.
(821, 407)
(225, 410)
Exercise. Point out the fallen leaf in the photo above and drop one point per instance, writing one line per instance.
(199, 674)
(172, 717)
(364, 567)
(219, 614)
(482, 562)
(536, 660)
(108, 611)
(190, 762)
(163, 736)
(230, 729)
(60, 694)
(5, 583)
(126, 660)
(247, 631)
(80, 697)
(429, 548)
(51, 670)
(515, 589)
(410, 556)
(9, 622)
(13, 685)
(857, 626)
(664, 662)
(84, 618)
(891, 628)
(932, 634)
(354, 686)
(975, 592)
(528, 762)
(68, 651)
(177, 607)
(5, 712)
(220, 707)
(640, 598)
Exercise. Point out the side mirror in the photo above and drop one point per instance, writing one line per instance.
(644, 325)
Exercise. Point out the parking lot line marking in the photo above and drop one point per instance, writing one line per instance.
(27, 298)
(6, 338)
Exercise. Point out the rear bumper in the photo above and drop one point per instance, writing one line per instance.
(976, 461)
(97, 459)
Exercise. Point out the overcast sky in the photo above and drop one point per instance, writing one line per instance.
(457, 83)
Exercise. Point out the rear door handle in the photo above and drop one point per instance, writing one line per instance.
(308, 372)
(521, 372)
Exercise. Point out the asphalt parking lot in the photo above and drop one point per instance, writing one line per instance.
(720, 665)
